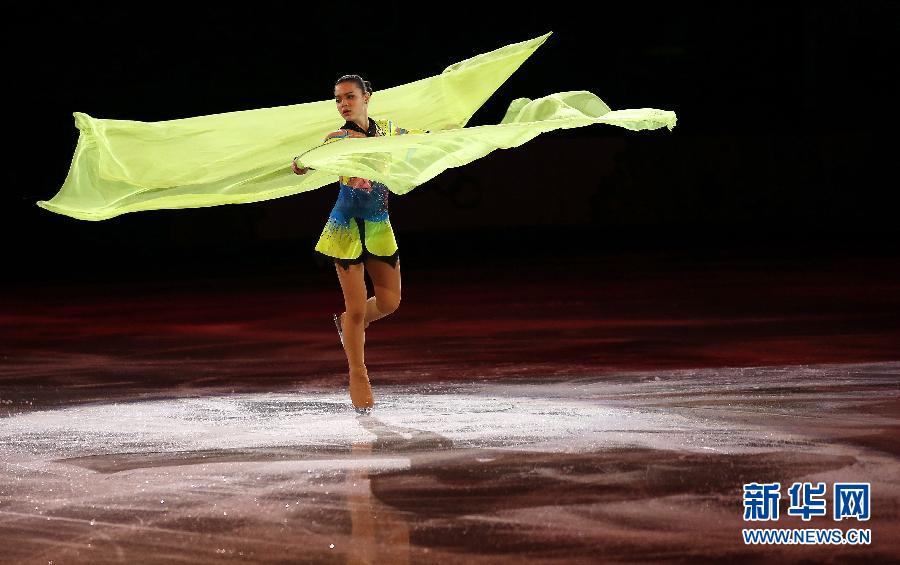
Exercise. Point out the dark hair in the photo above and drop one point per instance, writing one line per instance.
(363, 84)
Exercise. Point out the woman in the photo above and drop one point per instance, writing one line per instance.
(358, 232)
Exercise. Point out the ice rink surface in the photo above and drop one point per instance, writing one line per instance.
(132, 432)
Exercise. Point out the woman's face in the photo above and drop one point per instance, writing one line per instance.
(352, 104)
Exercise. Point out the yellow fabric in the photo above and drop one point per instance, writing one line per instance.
(404, 162)
(125, 166)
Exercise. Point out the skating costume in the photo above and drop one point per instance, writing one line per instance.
(359, 225)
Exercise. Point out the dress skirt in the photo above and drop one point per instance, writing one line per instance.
(349, 240)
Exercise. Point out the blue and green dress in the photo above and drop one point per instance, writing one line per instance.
(359, 225)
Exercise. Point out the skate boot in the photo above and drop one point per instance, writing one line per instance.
(361, 390)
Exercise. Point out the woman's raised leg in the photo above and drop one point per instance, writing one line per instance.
(386, 280)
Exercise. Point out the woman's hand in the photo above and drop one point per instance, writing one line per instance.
(298, 170)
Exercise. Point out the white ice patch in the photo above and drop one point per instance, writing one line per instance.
(464, 416)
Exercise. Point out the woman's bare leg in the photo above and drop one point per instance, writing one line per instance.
(386, 280)
(353, 285)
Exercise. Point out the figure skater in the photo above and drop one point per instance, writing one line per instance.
(358, 232)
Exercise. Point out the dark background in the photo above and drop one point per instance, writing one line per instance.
(784, 139)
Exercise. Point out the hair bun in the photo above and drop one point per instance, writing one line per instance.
(364, 85)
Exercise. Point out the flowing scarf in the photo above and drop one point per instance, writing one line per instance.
(125, 166)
